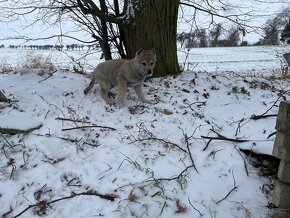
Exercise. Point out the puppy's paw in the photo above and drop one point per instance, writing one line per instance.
(147, 101)
(119, 101)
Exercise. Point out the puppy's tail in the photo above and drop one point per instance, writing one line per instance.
(90, 86)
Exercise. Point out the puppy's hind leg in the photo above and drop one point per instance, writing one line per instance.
(105, 87)
(90, 86)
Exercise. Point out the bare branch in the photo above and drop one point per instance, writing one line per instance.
(87, 193)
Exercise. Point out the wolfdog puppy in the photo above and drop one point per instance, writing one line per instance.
(123, 73)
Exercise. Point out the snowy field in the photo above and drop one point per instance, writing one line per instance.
(88, 159)
(259, 60)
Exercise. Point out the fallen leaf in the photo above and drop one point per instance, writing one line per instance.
(180, 208)
(167, 112)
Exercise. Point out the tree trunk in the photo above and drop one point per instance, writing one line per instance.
(154, 26)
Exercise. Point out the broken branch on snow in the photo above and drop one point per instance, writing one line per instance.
(110, 197)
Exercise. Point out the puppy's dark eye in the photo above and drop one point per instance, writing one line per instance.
(144, 64)
(152, 63)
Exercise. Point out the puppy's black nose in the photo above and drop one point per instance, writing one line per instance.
(149, 72)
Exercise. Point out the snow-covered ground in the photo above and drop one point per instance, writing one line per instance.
(89, 159)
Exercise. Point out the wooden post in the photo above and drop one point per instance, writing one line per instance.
(281, 150)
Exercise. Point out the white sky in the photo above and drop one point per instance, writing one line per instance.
(16, 28)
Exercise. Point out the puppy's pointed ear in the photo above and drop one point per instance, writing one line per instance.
(153, 50)
(139, 51)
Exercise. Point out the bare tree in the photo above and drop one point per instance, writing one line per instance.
(215, 34)
(273, 26)
(126, 25)
(285, 36)
(271, 31)
(233, 36)
(202, 36)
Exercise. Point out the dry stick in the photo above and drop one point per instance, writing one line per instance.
(223, 138)
(239, 126)
(270, 135)
(82, 121)
(67, 119)
(235, 187)
(189, 152)
(88, 193)
(194, 207)
(245, 163)
(91, 126)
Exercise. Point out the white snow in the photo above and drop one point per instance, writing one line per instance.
(18, 121)
(149, 146)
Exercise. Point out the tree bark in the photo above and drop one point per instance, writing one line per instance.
(154, 26)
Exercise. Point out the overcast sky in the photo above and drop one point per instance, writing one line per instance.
(13, 29)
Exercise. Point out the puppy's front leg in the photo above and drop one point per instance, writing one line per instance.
(139, 91)
(122, 88)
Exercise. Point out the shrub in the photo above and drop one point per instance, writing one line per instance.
(37, 61)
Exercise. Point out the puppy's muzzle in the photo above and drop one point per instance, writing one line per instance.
(149, 73)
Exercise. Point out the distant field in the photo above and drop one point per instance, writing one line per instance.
(257, 60)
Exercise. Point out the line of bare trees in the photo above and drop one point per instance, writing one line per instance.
(214, 37)
(72, 47)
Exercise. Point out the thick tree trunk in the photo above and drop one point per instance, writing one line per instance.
(155, 26)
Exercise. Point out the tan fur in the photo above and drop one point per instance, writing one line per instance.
(124, 73)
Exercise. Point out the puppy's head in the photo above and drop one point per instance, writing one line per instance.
(146, 60)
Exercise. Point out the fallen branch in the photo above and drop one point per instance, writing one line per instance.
(257, 117)
(189, 152)
(14, 131)
(110, 197)
(3, 97)
(91, 126)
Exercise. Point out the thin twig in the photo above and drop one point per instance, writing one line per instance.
(91, 126)
(270, 135)
(189, 152)
(194, 207)
(245, 163)
(222, 139)
(207, 144)
(257, 117)
(234, 188)
(67, 119)
(50, 75)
